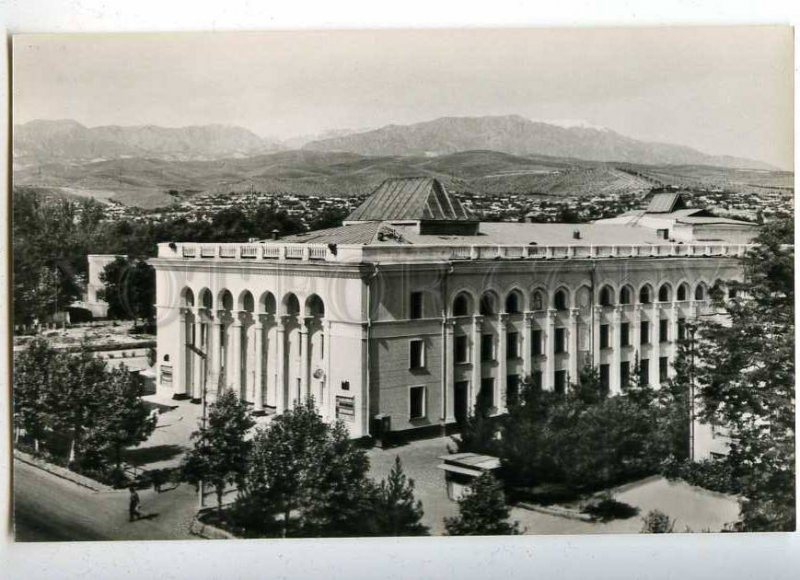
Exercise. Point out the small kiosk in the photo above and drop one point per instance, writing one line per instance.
(461, 468)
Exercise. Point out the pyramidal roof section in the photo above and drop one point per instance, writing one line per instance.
(410, 198)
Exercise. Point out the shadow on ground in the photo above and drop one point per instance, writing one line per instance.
(145, 455)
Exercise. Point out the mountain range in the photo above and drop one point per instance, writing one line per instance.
(520, 136)
(66, 141)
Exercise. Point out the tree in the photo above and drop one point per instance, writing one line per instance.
(221, 451)
(311, 474)
(657, 522)
(127, 421)
(129, 287)
(746, 379)
(396, 511)
(478, 431)
(32, 379)
(482, 511)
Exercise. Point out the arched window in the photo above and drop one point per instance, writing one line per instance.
(267, 303)
(606, 296)
(683, 291)
(664, 294)
(538, 300)
(315, 306)
(645, 294)
(206, 300)
(700, 292)
(488, 307)
(561, 300)
(226, 300)
(291, 305)
(187, 297)
(246, 301)
(513, 303)
(461, 305)
(625, 295)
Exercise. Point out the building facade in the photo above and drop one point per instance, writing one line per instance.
(412, 310)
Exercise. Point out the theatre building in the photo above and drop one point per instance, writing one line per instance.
(412, 309)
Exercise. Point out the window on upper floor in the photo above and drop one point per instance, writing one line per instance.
(625, 334)
(605, 336)
(461, 349)
(537, 347)
(561, 340)
(416, 354)
(561, 300)
(512, 345)
(663, 330)
(606, 296)
(644, 332)
(513, 303)
(487, 347)
(415, 305)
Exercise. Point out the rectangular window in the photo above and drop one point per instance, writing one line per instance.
(624, 373)
(625, 334)
(461, 349)
(536, 377)
(416, 403)
(663, 330)
(561, 340)
(512, 345)
(605, 377)
(536, 342)
(644, 371)
(605, 341)
(416, 354)
(560, 382)
(345, 385)
(681, 329)
(663, 367)
(415, 305)
(487, 392)
(644, 332)
(487, 347)
(512, 390)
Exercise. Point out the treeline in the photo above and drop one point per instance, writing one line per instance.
(52, 235)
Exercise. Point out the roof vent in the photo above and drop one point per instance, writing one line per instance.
(576, 234)
(276, 233)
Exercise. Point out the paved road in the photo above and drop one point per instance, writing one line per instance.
(48, 508)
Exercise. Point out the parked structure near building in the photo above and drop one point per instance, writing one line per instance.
(412, 309)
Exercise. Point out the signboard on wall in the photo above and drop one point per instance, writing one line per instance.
(166, 374)
(346, 408)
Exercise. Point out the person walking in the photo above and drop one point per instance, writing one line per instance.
(133, 505)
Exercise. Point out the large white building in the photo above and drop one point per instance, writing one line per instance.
(412, 309)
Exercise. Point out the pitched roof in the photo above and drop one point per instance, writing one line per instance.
(666, 203)
(363, 233)
(410, 198)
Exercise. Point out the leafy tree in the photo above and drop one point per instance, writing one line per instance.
(310, 473)
(221, 451)
(657, 522)
(747, 379)
(396, 511)
(127, 420)
(32, 379)
(129, 287)
(478, 431)
(482, 511)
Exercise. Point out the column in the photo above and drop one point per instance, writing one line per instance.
(673, 330)
(280, 365)
(449, 389)
(637, 331)
(180, 370)
(234, 377)
(477, 327)
(327, 390)
(595, 335)
(574, 315)
(199, 366)
(616, 352)
(548, 381)
(216, 357)
(655, 345)
(258, 388)
(526, 344)
(305, 359)
(501, 384)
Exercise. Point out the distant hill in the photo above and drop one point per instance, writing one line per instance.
(146, 182)
(520, 136)
(67, 141)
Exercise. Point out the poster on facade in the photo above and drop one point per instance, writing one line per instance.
(548, 270)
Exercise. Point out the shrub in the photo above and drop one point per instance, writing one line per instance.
(657, 522)
(605, 508)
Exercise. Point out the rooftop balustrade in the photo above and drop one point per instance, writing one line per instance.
(351, 253)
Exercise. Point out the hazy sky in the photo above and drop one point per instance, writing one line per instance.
(721, 90)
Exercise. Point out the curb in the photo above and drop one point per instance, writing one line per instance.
(207, 531)
(62, 472)
(557, 511)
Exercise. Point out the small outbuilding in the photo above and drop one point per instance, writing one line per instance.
(460, 469)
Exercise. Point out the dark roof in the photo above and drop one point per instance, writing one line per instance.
(410, 198)
(666, 203)
(363, 233)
